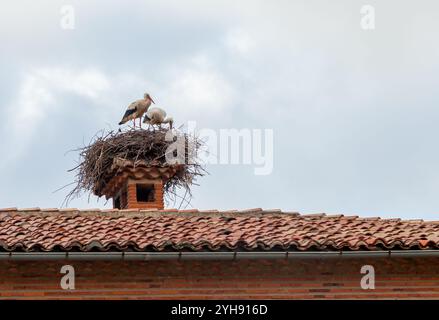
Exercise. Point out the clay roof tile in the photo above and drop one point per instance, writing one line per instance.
(172, 229)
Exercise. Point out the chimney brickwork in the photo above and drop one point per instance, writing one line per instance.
(137, 186)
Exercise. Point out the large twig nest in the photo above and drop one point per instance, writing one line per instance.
(96, 161)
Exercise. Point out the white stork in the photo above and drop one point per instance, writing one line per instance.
(157, 116)
(137, 109)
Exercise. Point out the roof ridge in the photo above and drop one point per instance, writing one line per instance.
(198, 212)
(142, 212)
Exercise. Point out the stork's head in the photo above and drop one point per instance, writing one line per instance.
(148, 97)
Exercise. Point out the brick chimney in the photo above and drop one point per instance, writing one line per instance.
(137, 185)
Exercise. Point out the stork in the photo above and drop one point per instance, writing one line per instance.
(157, 116)
(137, 109)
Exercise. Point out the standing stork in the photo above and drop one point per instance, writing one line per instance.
(157, 116)
(137, 109)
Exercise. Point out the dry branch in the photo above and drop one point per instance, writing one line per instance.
(96, 159)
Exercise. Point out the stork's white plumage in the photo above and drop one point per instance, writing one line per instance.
(137, 109)
(157, 116)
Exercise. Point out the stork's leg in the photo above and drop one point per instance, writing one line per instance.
(140, 122)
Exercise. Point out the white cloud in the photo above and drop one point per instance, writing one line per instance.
(38, 95)
(32, 101)
(239, 41)
(198, 86)
(87, 83)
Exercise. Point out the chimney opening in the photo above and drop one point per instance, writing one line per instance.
(117, 203)
(145, 193)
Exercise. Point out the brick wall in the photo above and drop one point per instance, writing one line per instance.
(255, 279)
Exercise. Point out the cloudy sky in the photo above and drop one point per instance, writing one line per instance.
(354, 112)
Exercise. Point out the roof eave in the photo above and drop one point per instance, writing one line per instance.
(182, 256)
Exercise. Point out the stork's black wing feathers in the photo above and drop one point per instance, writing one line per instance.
(127, 113)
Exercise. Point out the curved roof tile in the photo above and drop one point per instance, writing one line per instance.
(38, 229)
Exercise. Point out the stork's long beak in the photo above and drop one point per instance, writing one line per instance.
(152, 100)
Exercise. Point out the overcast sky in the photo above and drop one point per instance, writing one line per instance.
(354, 112)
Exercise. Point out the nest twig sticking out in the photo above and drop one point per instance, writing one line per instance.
(151, 146)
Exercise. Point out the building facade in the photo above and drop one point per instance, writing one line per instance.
(190, 254)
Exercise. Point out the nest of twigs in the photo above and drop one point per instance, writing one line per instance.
(93, 171)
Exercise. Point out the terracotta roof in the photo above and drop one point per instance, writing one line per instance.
(37, 229)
